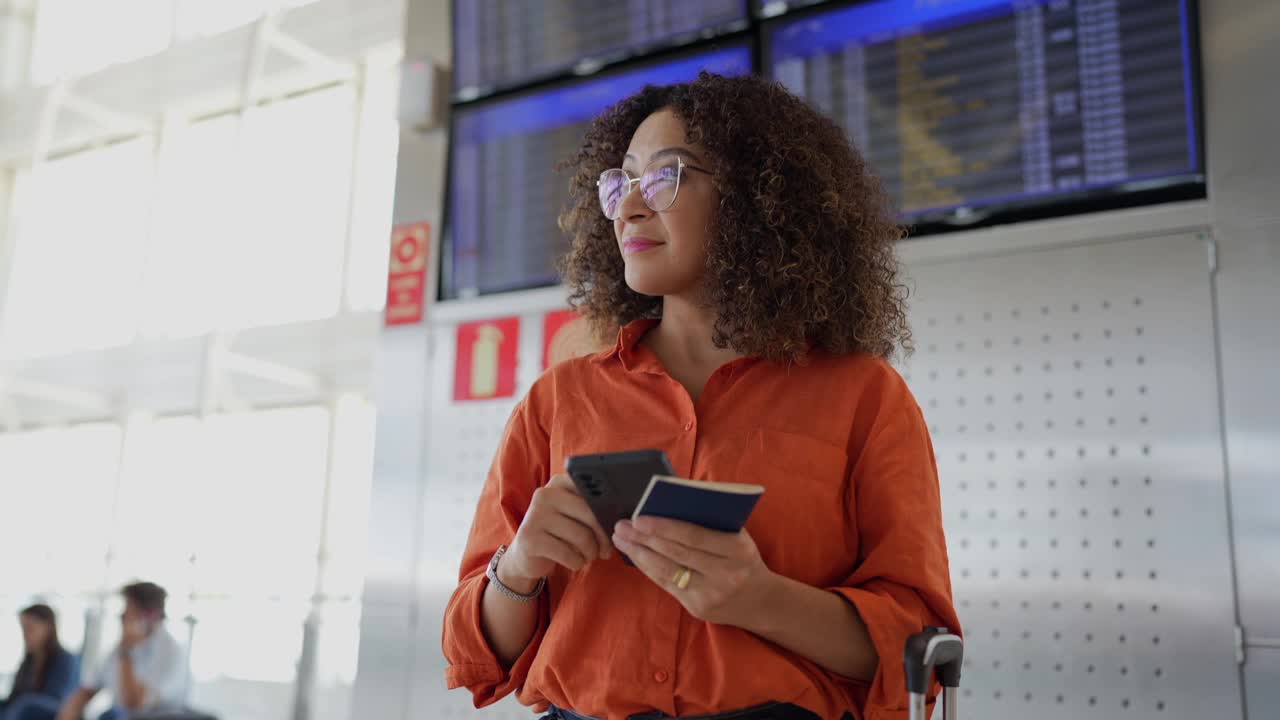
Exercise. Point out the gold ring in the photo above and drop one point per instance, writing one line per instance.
(682, 577)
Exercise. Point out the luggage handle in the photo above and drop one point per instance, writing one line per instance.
(933, 648)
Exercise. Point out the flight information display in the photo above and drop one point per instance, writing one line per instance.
(769, 8)
(504, 195)
(500, 43)
(965, 106)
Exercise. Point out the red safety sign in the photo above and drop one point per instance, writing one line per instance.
(407, 273)
(485, 359)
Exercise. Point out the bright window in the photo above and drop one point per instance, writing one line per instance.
(196, 215)
(252, 217)
(56, 493)
(349, 499)
(293, 185)
(375, 192)
(259, 515)
(82, 224)
(161, 487)
(227, 506)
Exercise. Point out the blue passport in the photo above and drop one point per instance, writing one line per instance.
(718, 506)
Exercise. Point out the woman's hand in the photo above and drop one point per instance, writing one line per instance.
(558, 529)
(730, 583)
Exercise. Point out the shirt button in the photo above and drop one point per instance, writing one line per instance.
(688, 426)
(660, 676)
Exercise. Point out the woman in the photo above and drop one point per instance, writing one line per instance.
(47, 673)
(754, 280)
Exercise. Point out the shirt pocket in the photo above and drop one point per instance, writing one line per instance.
(800, 522)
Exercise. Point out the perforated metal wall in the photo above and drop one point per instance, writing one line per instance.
(1072, 401)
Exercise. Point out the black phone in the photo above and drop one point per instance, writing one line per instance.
(613, 483)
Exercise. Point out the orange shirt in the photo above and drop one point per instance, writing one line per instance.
(851, 505)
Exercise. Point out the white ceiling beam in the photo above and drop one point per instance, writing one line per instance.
(49, 109)
(230, 401)
(277, 373)
(309, 56)
(57, 394)
(10, 418)
(104, 117)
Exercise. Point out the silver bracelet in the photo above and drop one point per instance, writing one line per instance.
(492, 574)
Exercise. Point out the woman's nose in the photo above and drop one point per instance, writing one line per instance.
(633, 208)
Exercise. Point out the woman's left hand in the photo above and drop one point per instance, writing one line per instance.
(730, 582)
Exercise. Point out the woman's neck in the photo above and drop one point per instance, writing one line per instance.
(682, 341)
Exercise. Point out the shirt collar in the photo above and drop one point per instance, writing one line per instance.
(628, 350)
(636, 357)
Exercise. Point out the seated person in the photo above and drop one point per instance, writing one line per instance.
(146, 673)
(48, 673)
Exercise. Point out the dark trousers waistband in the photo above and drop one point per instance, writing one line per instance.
(765, 711)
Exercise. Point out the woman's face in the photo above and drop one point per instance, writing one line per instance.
(666, 252)
(35, 633)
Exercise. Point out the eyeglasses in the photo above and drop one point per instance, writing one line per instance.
(659, 184)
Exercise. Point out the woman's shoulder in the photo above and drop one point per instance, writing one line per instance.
(573, 372)
(865, 385)
(564, 380)
(864, 369)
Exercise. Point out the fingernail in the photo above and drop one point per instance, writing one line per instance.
(622, 525)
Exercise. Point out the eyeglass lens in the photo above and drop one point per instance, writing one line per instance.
(658, 186)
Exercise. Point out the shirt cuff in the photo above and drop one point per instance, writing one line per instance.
(471, 662)
(889, 625)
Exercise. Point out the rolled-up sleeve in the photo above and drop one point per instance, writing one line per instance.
(901, 583)
(520, 466)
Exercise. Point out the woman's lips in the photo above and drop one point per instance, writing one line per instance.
(634, 245)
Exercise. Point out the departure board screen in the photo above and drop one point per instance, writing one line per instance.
(500, 43)
(964, 106)
(770, 8)
(504, 195)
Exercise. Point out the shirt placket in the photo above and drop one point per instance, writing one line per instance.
(665, 639)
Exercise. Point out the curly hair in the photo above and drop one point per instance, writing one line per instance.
(802, 248)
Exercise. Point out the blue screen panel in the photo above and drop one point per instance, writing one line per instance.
(501, 43)
(966, 105)
(504, 195)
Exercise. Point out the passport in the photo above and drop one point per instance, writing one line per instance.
(714, 505)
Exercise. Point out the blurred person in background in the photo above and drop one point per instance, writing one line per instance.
(48, 672)
(147, 672)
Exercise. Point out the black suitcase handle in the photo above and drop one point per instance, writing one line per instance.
(934, 648)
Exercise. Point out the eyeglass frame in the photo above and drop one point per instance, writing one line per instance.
(631, 183)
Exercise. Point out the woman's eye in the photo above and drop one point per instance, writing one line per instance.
(658, 180)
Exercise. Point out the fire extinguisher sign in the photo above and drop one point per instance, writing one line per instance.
(407, 274)
(485, 359)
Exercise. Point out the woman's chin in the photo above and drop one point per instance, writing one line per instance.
(646, 285)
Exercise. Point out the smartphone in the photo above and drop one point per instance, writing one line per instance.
(613, 483)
